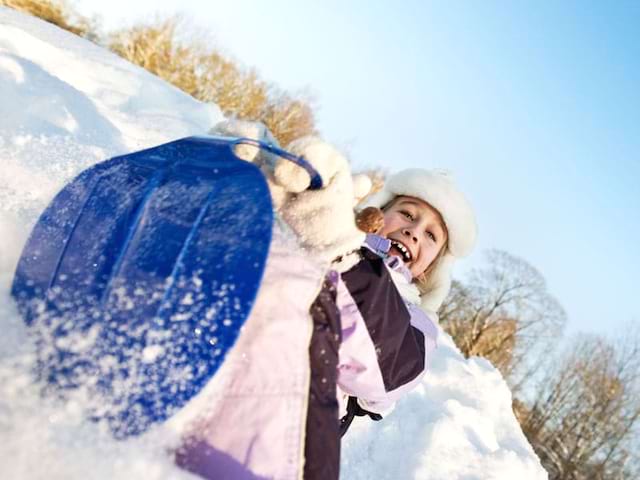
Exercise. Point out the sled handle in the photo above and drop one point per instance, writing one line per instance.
(316, 180)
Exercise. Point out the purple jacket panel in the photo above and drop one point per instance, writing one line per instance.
(322, 438)
(386, 341)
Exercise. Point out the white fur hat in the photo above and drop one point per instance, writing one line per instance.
(435, 187)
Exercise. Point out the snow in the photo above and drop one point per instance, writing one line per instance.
(456, 425)
(66, 104)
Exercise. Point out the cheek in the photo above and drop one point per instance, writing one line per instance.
(428, 254)
(391, 223)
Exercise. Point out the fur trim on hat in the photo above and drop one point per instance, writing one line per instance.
(436, 288)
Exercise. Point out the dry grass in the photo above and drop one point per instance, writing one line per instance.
(153, 48)
(56, 12)
(207, 75)
(289, 117)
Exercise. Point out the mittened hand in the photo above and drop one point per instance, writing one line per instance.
(323, 157)
(247, 129)
(264, 160)
(323, 219)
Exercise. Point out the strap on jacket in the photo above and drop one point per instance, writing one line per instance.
(354, 409)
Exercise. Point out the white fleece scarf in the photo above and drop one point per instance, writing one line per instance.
(402, 279)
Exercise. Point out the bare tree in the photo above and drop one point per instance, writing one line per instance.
(504, 313)
(585, 418)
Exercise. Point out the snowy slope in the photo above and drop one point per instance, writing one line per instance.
(66, 104)
(457, 425)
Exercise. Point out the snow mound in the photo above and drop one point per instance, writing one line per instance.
(458, 424)
(67, 104)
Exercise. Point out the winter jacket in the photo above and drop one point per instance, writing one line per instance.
(386, 340)
(273, 410)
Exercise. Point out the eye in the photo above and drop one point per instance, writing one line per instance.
(406, 214)
(431, 236)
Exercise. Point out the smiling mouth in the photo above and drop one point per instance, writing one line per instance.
(404, 251)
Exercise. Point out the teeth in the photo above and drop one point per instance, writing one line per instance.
(405, 252)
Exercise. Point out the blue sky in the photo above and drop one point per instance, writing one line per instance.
(535, 107)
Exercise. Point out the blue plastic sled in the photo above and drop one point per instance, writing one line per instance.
(138, 276)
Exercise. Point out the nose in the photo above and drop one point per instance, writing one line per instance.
(409, 233)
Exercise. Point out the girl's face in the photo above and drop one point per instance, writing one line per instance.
(416, 231)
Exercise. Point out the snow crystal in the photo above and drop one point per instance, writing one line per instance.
(151, 353)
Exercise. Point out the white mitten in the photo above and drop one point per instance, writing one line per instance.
(263, 159)
(244, 128)
(323, 219)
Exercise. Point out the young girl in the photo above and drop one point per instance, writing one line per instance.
(427, 223)
(362, 307)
